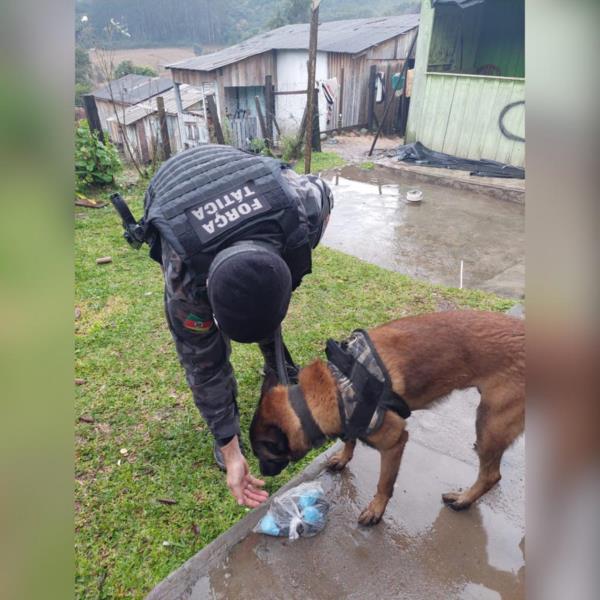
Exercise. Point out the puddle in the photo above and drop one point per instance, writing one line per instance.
(373, 220)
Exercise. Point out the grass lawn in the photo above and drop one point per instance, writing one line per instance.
(320, 161)
(139, 437)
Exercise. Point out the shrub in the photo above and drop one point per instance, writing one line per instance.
(291, 147)
(227, 132)
(259, 146)
(126, 67)
(96, 162)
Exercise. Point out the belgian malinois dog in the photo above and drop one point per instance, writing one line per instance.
(427, 357)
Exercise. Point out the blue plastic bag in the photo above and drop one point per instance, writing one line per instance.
(299, 512)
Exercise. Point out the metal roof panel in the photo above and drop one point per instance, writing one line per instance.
(350, 36)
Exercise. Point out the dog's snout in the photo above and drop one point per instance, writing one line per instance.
(271, 468)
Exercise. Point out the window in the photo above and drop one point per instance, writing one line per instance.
(192, 132)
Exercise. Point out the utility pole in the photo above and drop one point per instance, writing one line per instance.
(310, 95)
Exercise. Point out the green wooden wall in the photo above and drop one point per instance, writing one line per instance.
(456, 112)
(459, 116)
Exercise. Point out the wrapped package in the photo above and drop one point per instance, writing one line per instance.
(299, 512)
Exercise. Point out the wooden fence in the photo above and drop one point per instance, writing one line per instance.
(243, 130)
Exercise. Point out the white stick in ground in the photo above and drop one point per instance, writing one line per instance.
(461, 275)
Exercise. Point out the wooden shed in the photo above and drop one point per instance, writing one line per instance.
(469, 84)
(141, 125)
(350, 54)
(127, 91)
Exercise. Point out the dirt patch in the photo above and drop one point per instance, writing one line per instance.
(354, 146)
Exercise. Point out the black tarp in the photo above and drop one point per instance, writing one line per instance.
(421, 155)
(461, 3)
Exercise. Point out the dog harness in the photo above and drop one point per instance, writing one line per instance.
(364, 387)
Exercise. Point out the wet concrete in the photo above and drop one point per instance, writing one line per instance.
(421, 549)
(373, 221)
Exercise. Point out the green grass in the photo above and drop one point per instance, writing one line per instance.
(368, 165)
(321, 161)
(137, 395)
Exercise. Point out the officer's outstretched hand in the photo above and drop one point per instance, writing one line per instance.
(243, 485)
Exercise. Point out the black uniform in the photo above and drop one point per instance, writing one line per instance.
(203, 201)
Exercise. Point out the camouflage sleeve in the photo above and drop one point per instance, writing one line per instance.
(309, 190)
(203, 350)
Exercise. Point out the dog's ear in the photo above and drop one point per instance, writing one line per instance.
(270, 380)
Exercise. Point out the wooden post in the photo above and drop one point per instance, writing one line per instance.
(371, 97)
(302, 130)
(214, 118)
(261, 120)
(341, 100)
(141, 134)
(312, 63)
(164, 129)
(269, 108)
(91, 113)
(316, 126)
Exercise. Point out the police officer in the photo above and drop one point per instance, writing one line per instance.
(234, 234)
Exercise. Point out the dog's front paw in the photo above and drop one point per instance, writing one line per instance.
(370, 516)
(337, 462)
(455, 500)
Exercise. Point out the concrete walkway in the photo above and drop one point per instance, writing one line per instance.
(421, 550)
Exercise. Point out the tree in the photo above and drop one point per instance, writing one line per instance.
(83, 68)
(127, 67)
(289, 12)
(83, 65)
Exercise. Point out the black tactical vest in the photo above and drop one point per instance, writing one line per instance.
(208, 197)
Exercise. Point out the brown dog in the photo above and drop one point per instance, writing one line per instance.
(427, 357)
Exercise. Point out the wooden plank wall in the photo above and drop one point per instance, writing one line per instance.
(387, 57)
(459, 116)
(356, 77)
(249, 72)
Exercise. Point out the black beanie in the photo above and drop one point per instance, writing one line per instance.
(249, 288)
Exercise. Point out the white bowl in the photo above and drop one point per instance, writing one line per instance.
(414, 195)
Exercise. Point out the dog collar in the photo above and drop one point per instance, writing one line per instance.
(315, 436)
(364, 386)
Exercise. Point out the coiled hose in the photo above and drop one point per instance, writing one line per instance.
(505, 132)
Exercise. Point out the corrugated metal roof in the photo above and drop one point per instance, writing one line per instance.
(351, 36)
(190, 95)
(461, 3)
(132, 89)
